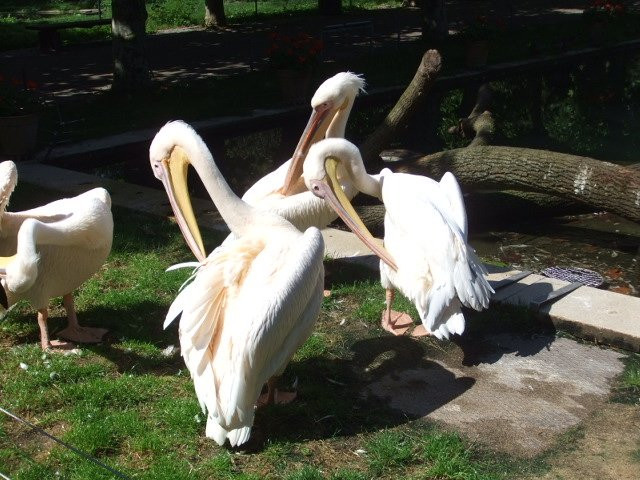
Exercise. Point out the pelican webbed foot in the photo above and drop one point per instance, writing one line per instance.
(58, 346)
(73, 330)
(396, 322)
(273, 396)
(420, 331)
(80, 334)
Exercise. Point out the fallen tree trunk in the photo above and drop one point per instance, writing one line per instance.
(602, 185)
(490, 209)
(539, 178)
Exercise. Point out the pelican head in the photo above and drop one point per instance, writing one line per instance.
(170, 163)
(331, 105)
(321, 167)
(336, 94)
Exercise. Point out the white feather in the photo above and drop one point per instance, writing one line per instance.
(425, 234)
(55, 247)
(250, 304)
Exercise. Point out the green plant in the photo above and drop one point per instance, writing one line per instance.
(299, 52)
(19, 97)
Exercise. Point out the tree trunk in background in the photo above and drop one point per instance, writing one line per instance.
(434, 20)
(214, 15)
(602, 185)
(409, 102)
(131, 68)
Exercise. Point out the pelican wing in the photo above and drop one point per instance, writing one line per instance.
(451, 189)
(437, 269)
(84, 222)
(245, 313)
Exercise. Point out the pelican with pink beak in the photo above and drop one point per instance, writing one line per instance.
(425, 255)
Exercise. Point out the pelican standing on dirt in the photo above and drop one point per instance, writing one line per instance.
(250, 304)
(51, 250)
(283, 191)
(425, 234)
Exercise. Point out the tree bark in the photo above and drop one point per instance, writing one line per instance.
(214, 15)
(479, 125)
(602, 185)
(131, 69)
(409, 102)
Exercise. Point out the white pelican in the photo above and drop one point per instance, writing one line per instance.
(283, 191)
(251, 303)
(425, 234)
(51, 250)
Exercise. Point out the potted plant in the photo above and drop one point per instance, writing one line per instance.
(20, 105)
(294, 57)
(600, 15)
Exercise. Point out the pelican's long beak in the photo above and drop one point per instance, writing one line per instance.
(333, 194)
(314, 131)
(173, 174)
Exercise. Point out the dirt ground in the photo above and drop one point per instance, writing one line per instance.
(609, 449)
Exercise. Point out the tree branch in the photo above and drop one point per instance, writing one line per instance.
(602, 185)
(409, 102)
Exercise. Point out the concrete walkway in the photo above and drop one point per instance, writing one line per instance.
(598, 315)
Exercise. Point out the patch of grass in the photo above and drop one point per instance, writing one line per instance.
(345, 474)
(627, 389)
(448, 457)
(222, 466)
(306, 473)
(315, 346)
(388, 450)
(369, 297)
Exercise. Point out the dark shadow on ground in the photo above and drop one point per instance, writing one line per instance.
(332, 397)
(504, 329)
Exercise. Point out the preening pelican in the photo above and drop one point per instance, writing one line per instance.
(51, 250)
(283, 191)
(425, 234)
(250, 304)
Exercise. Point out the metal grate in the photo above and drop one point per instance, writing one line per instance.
(575, 274)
